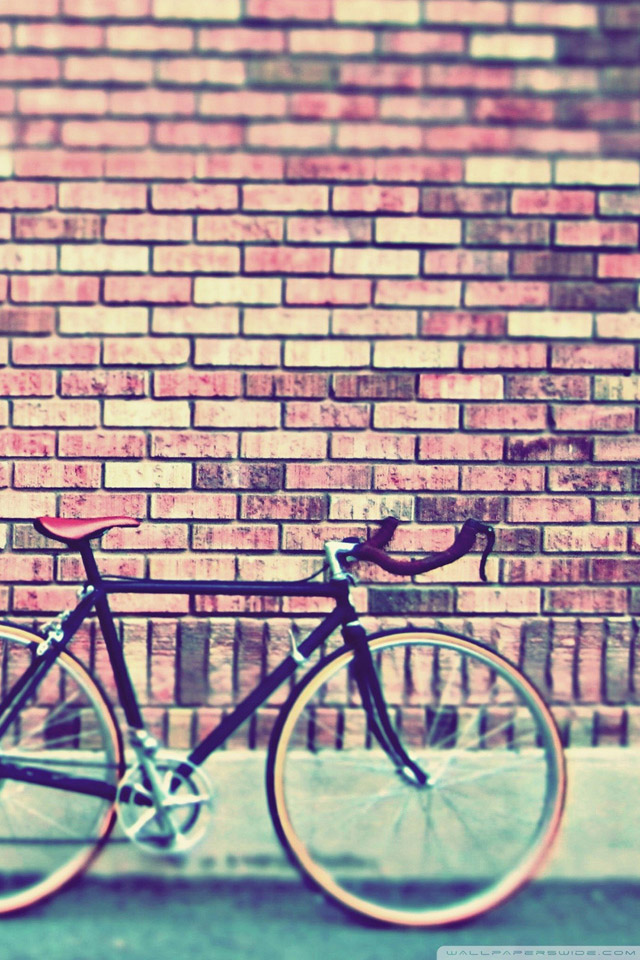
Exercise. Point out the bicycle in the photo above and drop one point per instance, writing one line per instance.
(415, 777)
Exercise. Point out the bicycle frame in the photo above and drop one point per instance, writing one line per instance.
(95, 599)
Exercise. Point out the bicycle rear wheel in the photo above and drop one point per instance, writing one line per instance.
(373, 838)
(64, 734)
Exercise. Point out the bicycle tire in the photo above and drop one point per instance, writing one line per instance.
(365, 834)
(48, 834)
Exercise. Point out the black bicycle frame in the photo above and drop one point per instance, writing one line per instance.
(95, 598)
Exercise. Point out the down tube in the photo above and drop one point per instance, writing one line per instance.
(264, 690)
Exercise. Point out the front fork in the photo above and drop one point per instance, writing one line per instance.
(376, 708)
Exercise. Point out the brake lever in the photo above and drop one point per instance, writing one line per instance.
(490, 534)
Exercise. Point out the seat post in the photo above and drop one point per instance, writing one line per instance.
(89, 561)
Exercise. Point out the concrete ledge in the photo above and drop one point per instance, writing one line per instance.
(600, 837)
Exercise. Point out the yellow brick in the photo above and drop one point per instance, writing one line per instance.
(6, 163)
(103, 258)
(422, 354)
(598, 171)
(418, 230)
(550, 324)
(574, 16)
(507, 170)
(196, 9)
(97, 319)
(237, 290)
(147, 474)
(372, 260)
(377, 11)
(512, 46)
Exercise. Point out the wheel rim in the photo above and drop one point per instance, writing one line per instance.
(447, 852)
(48, 835)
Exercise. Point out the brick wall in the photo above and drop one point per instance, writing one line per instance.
(272, 270)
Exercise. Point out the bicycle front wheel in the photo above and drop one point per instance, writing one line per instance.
(373, 838)
(60, 761)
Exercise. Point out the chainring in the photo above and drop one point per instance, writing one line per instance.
(177, 818)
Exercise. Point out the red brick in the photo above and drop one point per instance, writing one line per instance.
(194, 444)
(149, 165)
(514, 293)
(59, 36)
(283, 445)
(553, 202)
(328, 290)
(294, 197)
(585, 600)
(103, 444)
(196, 383)
(105, 133)
(505, 416)
(419, 169)
(240, 228)
(303, 415)
(329, 167)
(54, 226)
(16, 195)
(592, 417)
(504, 355)
(144, 226)
(372, 446)
(420, 477)
(56, 474)
(502, 478)
(196, 259)
(240, 166)
(287, 259)
(464, 446)
(619, 266)
(448, 323)
(27, 443)
(59, 164)
(288, 10)
(336, 476)
(103, 196)
(242, 39)
(329, 229)
(593, 356)
(547, 509)
(54, 289)
(147, 289)
(194, 196)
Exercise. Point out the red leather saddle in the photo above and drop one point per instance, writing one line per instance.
(73, 531)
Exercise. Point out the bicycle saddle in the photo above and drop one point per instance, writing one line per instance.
(87, 528)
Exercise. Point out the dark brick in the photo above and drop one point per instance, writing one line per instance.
(192, 666)
(463, 200)
(593, 296)
(27, 320)
(547, 263)
(508, 232)
(411, 600)
(448, 509)
(239, 476)
(374, 386)
(290, 73)
(548, 448)
(589, 47)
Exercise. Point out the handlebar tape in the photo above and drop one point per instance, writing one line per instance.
(463, 543)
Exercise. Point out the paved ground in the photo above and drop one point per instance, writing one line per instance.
(275, 920)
